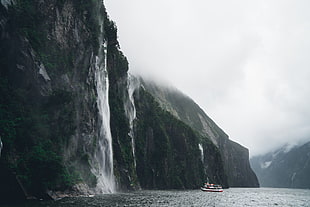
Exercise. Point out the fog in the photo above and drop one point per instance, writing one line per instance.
(246, 63)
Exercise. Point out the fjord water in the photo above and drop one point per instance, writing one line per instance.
(238, 197)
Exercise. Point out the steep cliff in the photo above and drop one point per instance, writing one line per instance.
(54, 96)
(286, 167)
(235, 157)
(73, 121)
(167, 150)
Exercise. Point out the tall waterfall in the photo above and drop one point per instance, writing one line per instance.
(103, 168)
(201, 152)
(130, 110)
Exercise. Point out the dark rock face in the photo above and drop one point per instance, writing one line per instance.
(10, 189)
(118, 95)
(48, 106)
(235, 157)
(237, 165)
(284, 168)
(167, 150)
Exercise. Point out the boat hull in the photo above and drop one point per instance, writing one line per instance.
(211, 190)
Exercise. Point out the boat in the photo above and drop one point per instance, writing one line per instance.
(208, 187)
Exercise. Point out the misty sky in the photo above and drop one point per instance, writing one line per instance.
(246, 63)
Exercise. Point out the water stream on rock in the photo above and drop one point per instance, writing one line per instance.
(1, 145)
(130, 110)
(201, 151)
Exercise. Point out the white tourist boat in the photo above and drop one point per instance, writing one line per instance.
(208, 187)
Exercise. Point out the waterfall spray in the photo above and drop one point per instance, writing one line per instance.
(130, 110)
(103, 168)
(201, 152)
(1, 145)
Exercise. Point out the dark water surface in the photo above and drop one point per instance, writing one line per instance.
(230, 197)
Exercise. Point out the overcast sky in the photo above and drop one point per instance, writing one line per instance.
(246, 63)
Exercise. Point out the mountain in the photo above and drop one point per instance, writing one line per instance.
(285, 168)
(74, 122)
(234, 156)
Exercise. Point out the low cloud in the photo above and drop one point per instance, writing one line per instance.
(246, 63)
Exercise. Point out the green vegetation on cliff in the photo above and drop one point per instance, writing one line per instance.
(122, 147)
(235, 158)
(167, 150)
(42, 72)
(33, 136)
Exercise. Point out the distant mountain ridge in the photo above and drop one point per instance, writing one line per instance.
(286, 167)
(235, 157)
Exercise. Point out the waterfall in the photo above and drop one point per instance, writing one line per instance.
(103, 167)
(201, 152)
(1, 145)
(130, 110)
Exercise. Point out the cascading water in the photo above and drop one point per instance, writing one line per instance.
(1, 145)
(130, 110)
(103, 169)
(201, 152)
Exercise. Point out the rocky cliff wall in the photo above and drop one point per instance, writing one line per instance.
(168, 154)
(49, 111)
(234, 156)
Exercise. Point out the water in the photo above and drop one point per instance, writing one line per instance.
(130, 110)
(104, 154)
(102, 166)
(1, 145)
(201, 152)
(235, 197)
